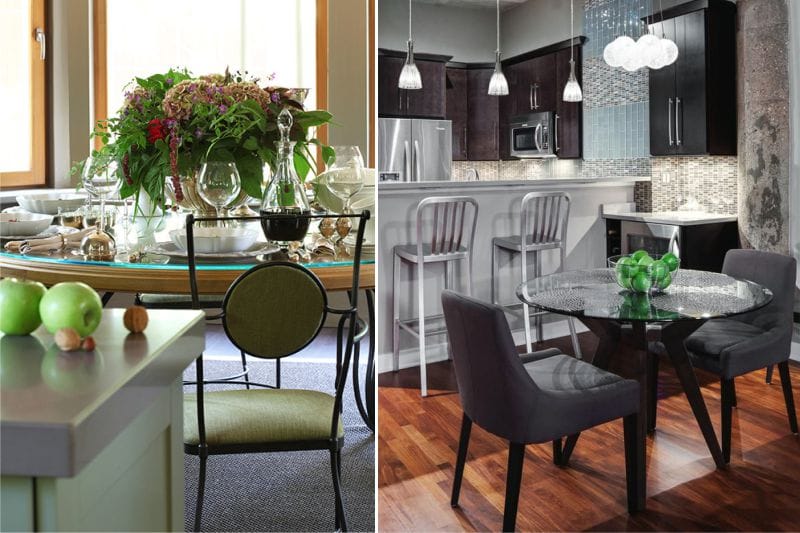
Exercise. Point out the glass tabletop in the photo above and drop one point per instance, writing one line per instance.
(693, 295)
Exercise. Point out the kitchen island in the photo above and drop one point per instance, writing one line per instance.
(499, 205)
(94, 440)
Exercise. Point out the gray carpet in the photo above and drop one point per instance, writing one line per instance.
(286, 491)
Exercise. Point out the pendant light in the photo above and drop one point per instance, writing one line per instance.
(498, 86)
(649, 50)
(409, 76)
(572, 90)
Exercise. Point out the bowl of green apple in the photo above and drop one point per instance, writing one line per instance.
(645, 273)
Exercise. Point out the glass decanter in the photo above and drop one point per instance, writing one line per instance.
(285, 197)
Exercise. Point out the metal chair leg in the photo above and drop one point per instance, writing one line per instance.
(538, 319)
(495, 250)
(423, 370)
(244, 369)
(396, 313)
(461, 458)
(341, 519)
(786, 384)
(201, 483)
(525, 309)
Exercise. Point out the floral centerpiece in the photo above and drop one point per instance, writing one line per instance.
(171, 122)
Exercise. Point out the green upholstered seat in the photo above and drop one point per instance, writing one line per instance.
(260, 416)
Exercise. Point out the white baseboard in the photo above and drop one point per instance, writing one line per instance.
(437, 351)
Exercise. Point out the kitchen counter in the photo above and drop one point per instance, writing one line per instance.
(400, 188)
(78, 429)
(674, 218)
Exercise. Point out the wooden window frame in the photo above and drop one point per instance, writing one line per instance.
(37, 175)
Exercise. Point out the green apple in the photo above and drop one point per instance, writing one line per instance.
(671, 261)
(664, 282)
(626, 267)
(71, 304)
(658, 269)
(19, 305)
(638, 254)
(641, 282)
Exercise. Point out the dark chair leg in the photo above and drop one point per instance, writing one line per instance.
(786, 383)
(461, 458)
(244, 369)
(516, 456)
(558, 455)
(769, 374)
(277, 373)
(652, 390)
(201, 485)
(733, 392)
(727, 407)
(341, 520)
(634, 463)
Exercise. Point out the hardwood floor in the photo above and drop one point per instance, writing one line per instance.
(760, 490)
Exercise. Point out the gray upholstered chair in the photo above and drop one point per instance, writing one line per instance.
(537, 398)
(731, 347)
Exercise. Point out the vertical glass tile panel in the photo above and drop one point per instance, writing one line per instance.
(15, 86)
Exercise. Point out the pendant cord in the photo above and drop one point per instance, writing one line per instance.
(571, 30)
(661, 9)
(409, 20)
(498, 25)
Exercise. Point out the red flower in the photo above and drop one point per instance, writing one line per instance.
(156, 130)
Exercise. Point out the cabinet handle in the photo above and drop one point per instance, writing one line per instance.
(678, 140)
(466, 141)
(417, 161)
(42, 40)
(494, 136)
(407, 100)
(669, 120)
(555, 133)
(530, 97)
(400, 100)
(536, 96)
(406, 166)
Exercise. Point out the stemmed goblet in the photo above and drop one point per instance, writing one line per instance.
(218, 184)
(101, 181)
(344, 177)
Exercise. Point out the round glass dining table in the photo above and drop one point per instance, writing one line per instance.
(619, 316)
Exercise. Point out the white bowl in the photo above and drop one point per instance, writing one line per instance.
(21, 224)
(49, 202)
(216, 240)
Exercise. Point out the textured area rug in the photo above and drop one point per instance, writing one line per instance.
(289, 491)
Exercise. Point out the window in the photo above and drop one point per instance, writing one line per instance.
(147, 36)
(22, 84)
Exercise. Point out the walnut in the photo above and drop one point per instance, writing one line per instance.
(135, 319)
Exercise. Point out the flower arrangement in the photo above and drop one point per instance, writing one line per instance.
(171, 122)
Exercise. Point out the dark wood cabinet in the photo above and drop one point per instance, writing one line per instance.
(531, 85)
(428, 102)
(456, 110)
(693, 101)
(483, 116)
(569, 115)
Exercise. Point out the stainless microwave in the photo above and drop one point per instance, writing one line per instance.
(532, 135)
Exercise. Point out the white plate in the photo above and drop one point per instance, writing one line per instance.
(216, 240)
(22, 223)
(49, 202)
(49, 232)
(259, 248)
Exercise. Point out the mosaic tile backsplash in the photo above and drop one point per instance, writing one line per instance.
(616, 131)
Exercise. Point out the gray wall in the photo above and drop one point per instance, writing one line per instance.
(537, 23)
(467, 34)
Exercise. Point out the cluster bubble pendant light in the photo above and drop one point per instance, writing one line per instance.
(649, 50)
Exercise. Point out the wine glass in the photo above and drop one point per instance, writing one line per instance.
(101, 181)
(218, 184)
(345, 176)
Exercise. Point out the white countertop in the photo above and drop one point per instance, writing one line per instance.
(675, 218)
(59, 410)
(391, 187)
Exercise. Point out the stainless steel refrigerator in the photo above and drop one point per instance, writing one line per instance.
(412, 149)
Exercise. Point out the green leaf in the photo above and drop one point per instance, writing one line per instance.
(251, 172)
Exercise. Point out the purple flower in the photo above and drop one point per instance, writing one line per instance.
(198, 133)
(169, 81)
(192, 87)
(170, 122)
(274, 97)
(219, 90)
(210, 91)
(223, 108)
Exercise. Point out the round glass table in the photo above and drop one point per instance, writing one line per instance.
(619, 316)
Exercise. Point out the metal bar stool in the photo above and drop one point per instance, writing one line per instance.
(543, 226)
(449, 240)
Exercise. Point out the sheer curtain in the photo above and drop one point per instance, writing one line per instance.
(264, 38)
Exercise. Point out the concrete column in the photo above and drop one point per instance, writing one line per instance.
(764, 124)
